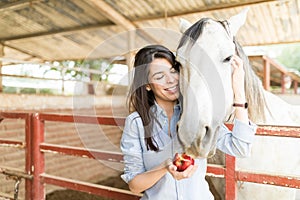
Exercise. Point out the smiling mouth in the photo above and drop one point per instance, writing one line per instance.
(172, 88)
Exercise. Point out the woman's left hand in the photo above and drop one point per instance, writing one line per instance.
(238, 79)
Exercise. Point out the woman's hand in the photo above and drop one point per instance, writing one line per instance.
(238, 80)
(238, 86)
(188, 172)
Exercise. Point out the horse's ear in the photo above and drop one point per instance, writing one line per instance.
(236, 21)
(184, 25)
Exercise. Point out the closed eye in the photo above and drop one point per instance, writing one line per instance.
(227, 59)
(158, 76)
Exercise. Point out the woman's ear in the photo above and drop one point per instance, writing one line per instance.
(148, 88)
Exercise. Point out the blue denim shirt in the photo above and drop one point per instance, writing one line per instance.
(138, 159)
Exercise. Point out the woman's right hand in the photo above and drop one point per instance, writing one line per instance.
(238, 79)
(188, 172)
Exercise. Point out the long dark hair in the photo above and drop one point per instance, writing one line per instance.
(141, 100)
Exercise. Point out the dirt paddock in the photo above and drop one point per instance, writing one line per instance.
(115, 182)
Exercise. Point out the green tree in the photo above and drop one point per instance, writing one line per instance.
(82, 70)
(102, 66)
(290, 57)
(94, 69)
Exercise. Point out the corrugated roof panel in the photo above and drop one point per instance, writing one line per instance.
(69, 29)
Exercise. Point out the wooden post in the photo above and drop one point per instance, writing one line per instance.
(1, 56)
(266, 81)
(295, 87)
(130, 54)
(282, 83)
(63, 73)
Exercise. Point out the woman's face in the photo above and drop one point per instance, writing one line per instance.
(163, 80)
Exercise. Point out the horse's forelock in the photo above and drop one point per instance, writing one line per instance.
(191, 35)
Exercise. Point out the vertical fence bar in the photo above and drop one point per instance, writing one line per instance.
(28, 156)
(38, 164)
(230, 184)
(295, 87)
(266, 78)
(283, 77)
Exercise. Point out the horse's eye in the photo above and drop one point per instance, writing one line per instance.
(228, 59)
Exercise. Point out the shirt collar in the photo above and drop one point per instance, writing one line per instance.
(159, 111)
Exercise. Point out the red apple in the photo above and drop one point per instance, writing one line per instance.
(182, 161)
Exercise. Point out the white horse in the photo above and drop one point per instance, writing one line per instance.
(205, 51)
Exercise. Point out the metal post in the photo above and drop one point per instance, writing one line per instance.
(28, 157)
(38, 165)
(1, 55)
(230, 184)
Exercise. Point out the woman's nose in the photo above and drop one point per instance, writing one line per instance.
(170, 78)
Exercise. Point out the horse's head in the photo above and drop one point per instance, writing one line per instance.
(205, 52)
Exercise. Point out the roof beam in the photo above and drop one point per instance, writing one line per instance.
(23, 51)
(18, 5)
(68, 30)
(113, 15)
(215, 7)
(272, 43)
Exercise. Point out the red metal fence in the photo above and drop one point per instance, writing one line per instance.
(35, 147)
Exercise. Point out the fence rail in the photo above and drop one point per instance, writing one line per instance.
(35, 147)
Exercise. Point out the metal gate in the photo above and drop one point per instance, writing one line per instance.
(35, 147)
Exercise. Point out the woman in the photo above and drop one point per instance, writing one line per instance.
(149, 139)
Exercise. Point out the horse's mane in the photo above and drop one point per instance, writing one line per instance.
(253, 87)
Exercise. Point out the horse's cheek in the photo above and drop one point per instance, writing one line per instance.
(195, 116)
(187, 128)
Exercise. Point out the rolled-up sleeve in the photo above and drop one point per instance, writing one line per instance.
(238, 141)
(131, 148)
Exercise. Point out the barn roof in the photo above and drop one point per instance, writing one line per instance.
(48, 30)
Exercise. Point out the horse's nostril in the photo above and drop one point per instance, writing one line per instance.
(206, 128)
(207, 135)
